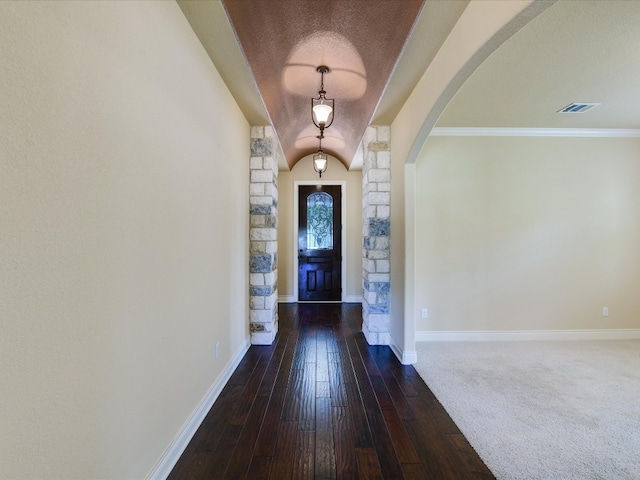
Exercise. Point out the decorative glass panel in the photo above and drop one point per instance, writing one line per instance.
(319, 221)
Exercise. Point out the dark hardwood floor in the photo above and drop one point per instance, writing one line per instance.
(321, 403)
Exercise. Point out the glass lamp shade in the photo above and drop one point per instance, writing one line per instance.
(322, 109)
(320, 162)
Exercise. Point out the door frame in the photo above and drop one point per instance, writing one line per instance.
(343, 209)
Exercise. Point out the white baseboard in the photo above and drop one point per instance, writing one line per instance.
(347, 299)
(409, 357)
(170, 457)
(406, 357)
(523, 335)
(395, 349)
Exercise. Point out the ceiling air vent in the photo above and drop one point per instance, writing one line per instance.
(578, 107)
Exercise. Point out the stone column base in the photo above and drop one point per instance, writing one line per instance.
(376, 338)
(264, 338)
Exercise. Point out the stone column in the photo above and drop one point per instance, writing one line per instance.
(263, 236)
(376, 267)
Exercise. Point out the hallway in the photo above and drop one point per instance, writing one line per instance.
(321, 403)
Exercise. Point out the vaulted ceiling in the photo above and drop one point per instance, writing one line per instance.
(285, 41)
(268, 51)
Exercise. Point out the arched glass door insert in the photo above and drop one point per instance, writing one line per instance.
(319, 221)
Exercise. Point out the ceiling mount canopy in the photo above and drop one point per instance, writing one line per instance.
(322, 108)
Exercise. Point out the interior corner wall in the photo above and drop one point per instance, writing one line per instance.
(124, 219)
(528, 233)
(303, 170)
(398, 250)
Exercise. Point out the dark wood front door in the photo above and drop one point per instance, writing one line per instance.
(319, 243)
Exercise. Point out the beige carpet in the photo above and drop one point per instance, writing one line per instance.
(543, 410)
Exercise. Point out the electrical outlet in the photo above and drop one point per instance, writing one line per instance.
(605, 311)
(217, 349)
(425, 313)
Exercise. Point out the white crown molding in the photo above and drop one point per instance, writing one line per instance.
(170, 457)
(527, 335)
(535, 132)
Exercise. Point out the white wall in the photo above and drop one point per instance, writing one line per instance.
(120, 270)
(528, 234)
(480, 30)
(303, 170)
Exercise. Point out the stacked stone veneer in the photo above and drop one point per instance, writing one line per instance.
(263, 235)
(376, 267)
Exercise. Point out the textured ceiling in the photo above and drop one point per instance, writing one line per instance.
(573, 52)
(284, 41)
(576, 51)
(211, 24)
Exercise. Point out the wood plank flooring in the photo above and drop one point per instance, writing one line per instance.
(320, 403)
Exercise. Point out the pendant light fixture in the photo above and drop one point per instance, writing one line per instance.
(322, 108)
(320, 160)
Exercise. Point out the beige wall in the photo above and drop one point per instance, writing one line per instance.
(528, 234)
(123, 235)
(303, 170)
